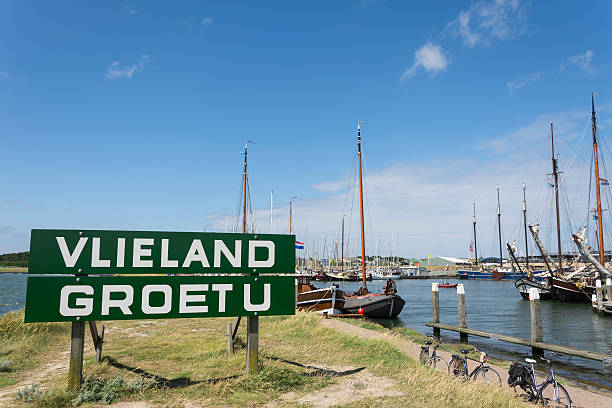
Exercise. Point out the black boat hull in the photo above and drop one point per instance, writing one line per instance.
(374, 305)
(566, 291)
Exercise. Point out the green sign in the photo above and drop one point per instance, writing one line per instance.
(145, 252)
(89, 298)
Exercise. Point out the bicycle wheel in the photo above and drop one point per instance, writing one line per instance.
(457, 368)
(557, 397)
(437, 362)
(424, 355)
(486, 375)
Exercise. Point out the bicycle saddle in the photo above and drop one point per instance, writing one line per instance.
(428, 343)
(465, 351)
(530, 360)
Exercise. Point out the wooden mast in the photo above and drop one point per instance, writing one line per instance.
(475, 244)
(342, 248)
(363, 260)
(244, 190)
(556, 176)
(499, 228)
(525, 226)
(599, 214)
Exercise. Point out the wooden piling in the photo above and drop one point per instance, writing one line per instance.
(77, 342)
(537, 331)
(230, 340)
(463, 337)
(599, 295)
(609, 288)
(252, 345)
(435, 307)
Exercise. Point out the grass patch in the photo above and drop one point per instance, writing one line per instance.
(26, 346)
(167, 362)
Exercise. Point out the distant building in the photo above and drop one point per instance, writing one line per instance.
(446, 261)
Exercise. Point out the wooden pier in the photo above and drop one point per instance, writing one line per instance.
(535, 342)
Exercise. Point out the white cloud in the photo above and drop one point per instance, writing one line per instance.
(521, 82)
(4, 74)
(115, 71)
(131, 12)
(430, 57)
(429, 201)
(206, 21)
(486, 21)
(583, 62)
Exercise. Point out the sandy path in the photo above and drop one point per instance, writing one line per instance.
(580, 398)
(39, 375)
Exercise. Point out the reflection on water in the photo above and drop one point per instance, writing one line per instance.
(497, 307)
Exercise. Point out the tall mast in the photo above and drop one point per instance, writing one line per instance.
(363, 260)
(342, 250)
(475, 244)
(556, 176)
(499, 227)
(244, 191)
(599, 215)
(525, 226)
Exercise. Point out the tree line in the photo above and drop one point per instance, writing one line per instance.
(15, 259)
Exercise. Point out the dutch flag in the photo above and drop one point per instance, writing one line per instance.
(299, 245)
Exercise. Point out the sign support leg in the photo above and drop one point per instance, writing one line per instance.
(98, 339)
(252, 345)
(77, 342)
(236, 325)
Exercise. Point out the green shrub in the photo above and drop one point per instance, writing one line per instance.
(106, 391)
(28, 393)
(6, 366)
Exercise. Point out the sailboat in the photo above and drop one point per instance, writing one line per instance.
(492, 272)
(579, 286)
(381, 305)
(530, 279)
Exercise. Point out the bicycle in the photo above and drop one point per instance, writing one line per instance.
(458, 366)
(434, 359)
(549, 393)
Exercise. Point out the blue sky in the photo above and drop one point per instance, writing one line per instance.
(133, 115)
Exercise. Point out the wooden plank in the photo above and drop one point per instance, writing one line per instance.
(591, 355)
(252, 357)
(99, 348)
(77, 342)
(230, 340)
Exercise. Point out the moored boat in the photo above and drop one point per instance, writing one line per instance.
(380, 305)
(329, 299)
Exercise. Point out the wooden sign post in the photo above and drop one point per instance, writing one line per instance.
(97, 280)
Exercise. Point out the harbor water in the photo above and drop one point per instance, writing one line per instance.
(497, 307)
(12, 291)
